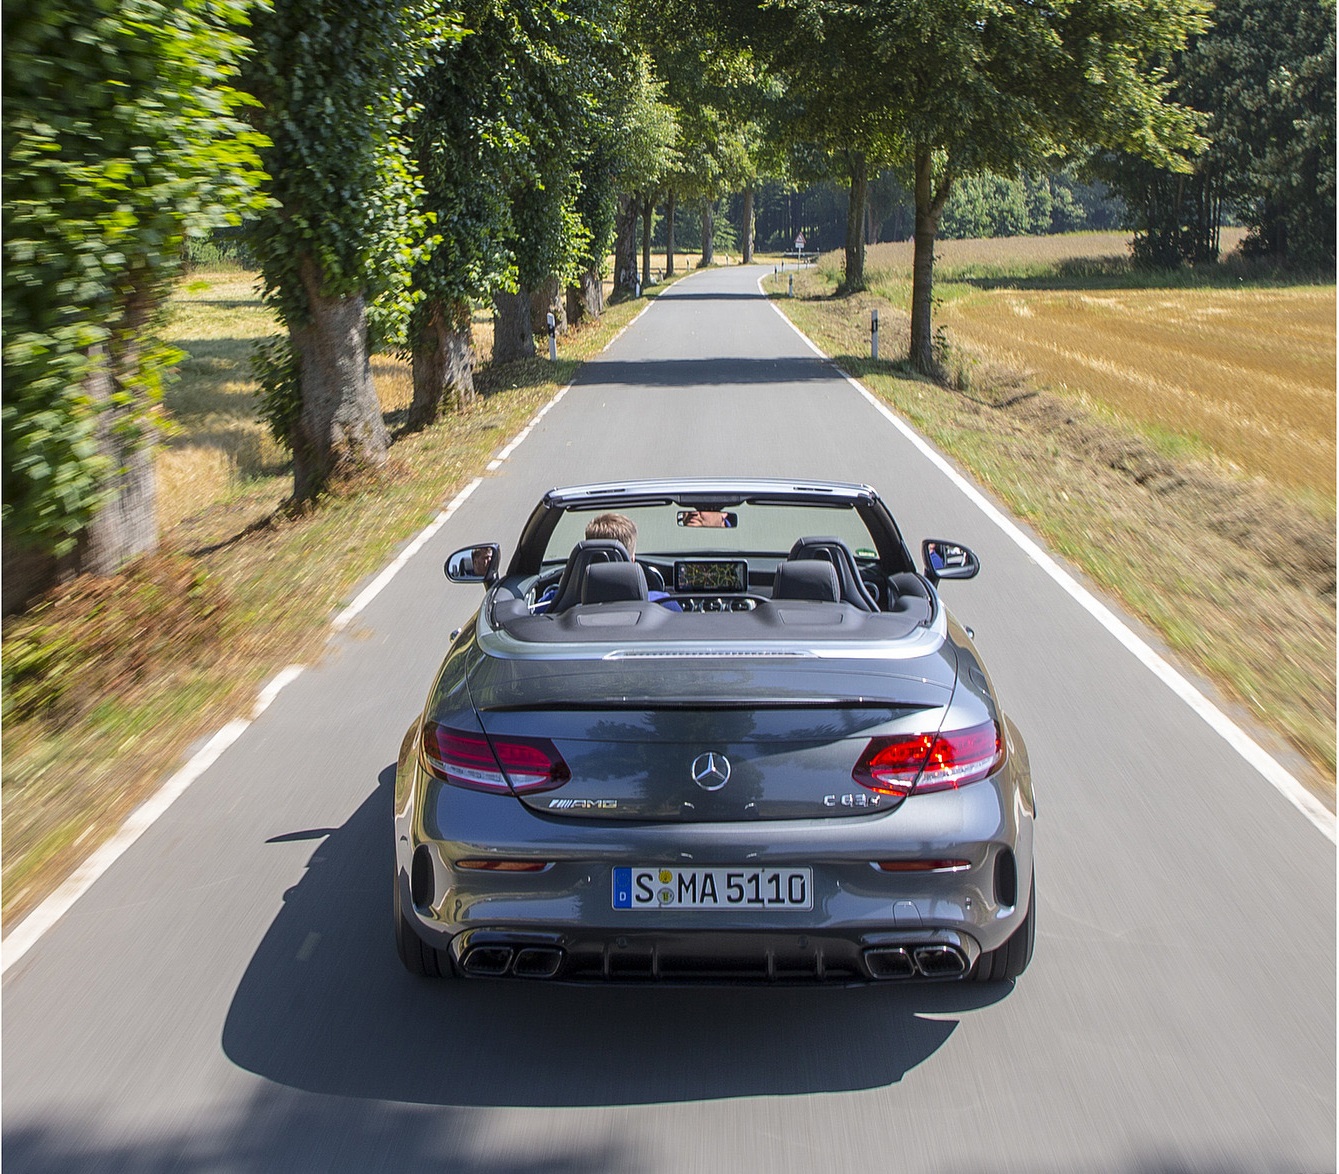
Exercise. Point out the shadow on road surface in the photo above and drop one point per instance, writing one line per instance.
(698, 373)
(325, 1006)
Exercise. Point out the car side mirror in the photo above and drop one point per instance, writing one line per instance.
(474, 564)
(948, 560)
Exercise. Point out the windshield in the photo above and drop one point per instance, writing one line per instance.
(754, 529)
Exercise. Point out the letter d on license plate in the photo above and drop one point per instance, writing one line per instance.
(713, 888)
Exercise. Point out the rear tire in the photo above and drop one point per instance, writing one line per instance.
(1012, 958)
(418, 957)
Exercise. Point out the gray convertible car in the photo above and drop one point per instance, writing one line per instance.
(746, 743)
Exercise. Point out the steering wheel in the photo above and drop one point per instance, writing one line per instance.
(655, 581)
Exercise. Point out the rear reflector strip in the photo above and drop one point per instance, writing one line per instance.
(504, 865)
(921, 865)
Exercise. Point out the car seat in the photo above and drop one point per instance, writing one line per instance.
(584, 553)
(838, 555)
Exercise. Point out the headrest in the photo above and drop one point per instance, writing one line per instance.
(810, 579)
(608, 582)
(816, 547)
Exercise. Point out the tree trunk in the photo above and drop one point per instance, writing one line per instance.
(126, 525)
(748, 226)
(648, 215)
(708, 233)
(545, 299)
(855, 224)
(625, 242)
(512, 337)
(929, 204)
(670, 201)
(339, 430)
(585, 300)
(443, 362)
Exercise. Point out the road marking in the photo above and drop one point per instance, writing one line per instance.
(374, 588)
(26, 934)
(1280, 778)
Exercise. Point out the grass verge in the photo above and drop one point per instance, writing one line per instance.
(109, 684)
(1237, 574)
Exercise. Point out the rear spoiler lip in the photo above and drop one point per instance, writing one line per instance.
(624, 703)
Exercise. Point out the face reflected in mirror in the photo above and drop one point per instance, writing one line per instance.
(715, 519)
(481, 559)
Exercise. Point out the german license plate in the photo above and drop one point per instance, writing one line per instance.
(713, 888)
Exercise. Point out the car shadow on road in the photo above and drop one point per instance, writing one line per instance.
(325, 1006)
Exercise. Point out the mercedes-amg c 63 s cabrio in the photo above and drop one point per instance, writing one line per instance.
(743, 742)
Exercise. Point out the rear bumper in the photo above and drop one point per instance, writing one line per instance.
(712, 956)
(865, 924)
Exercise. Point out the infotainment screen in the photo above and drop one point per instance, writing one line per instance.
(722, 575)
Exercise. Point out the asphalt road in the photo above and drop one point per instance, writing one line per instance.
(227, 996)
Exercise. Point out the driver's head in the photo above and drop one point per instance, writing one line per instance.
(616, 526)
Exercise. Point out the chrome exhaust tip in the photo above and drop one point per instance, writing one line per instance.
(890, 962)
(489, 961)
(940, 961)
(537, 962)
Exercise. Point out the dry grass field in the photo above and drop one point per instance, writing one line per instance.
(1245, 374)
(216, 445)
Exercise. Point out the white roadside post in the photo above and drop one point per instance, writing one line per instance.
(553, 339)
(874, 334)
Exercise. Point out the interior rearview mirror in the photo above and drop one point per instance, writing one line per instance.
(716, 519)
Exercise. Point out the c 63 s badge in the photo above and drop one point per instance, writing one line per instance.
(582, 804)
(852, 800)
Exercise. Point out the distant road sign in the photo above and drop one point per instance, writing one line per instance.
(799, 241)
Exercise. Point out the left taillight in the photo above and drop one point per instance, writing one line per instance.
(930, 762)
(501, 766)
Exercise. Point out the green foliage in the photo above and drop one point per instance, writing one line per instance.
(332, 78)
(1264, 76)
(988, 205)
(572, 59)
(276, 369)
(468, 140)
(122, 140)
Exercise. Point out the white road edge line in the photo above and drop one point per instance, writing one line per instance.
(26, 934)
(1280, 778)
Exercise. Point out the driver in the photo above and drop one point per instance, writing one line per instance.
(623, 529)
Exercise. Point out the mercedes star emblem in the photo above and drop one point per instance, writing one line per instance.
(711, 771)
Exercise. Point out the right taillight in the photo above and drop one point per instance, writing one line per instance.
(502, 766)
(930, 762)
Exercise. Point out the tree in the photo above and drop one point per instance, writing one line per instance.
(122, 138)
(338, 246)
(1264, 77)
(999, 85)
(565, 67)
(468, 131)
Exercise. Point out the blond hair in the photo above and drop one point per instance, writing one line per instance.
(616, 526)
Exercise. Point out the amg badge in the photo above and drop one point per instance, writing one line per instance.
(582, 804)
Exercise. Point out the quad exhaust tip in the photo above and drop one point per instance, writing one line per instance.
(936, 960)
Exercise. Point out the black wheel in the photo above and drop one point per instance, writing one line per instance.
(418, 957)
(1012, 958)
